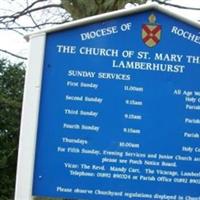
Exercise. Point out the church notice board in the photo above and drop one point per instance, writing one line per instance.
(119, 113)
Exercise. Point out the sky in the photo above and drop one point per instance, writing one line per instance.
(187, 13)
(15, 43)
(12, 41)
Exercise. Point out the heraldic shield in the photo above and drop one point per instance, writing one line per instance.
(151, 32)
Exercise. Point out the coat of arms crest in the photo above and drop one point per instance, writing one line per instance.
(151, 32)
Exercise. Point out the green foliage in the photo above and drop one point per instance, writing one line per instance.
(11, 92)
(85, 8)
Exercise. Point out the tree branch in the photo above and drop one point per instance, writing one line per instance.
(17, 13)
(12, 18)
(13, 54)
(176, 5)
(40, 8)
(31, 5)
(32, 27)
